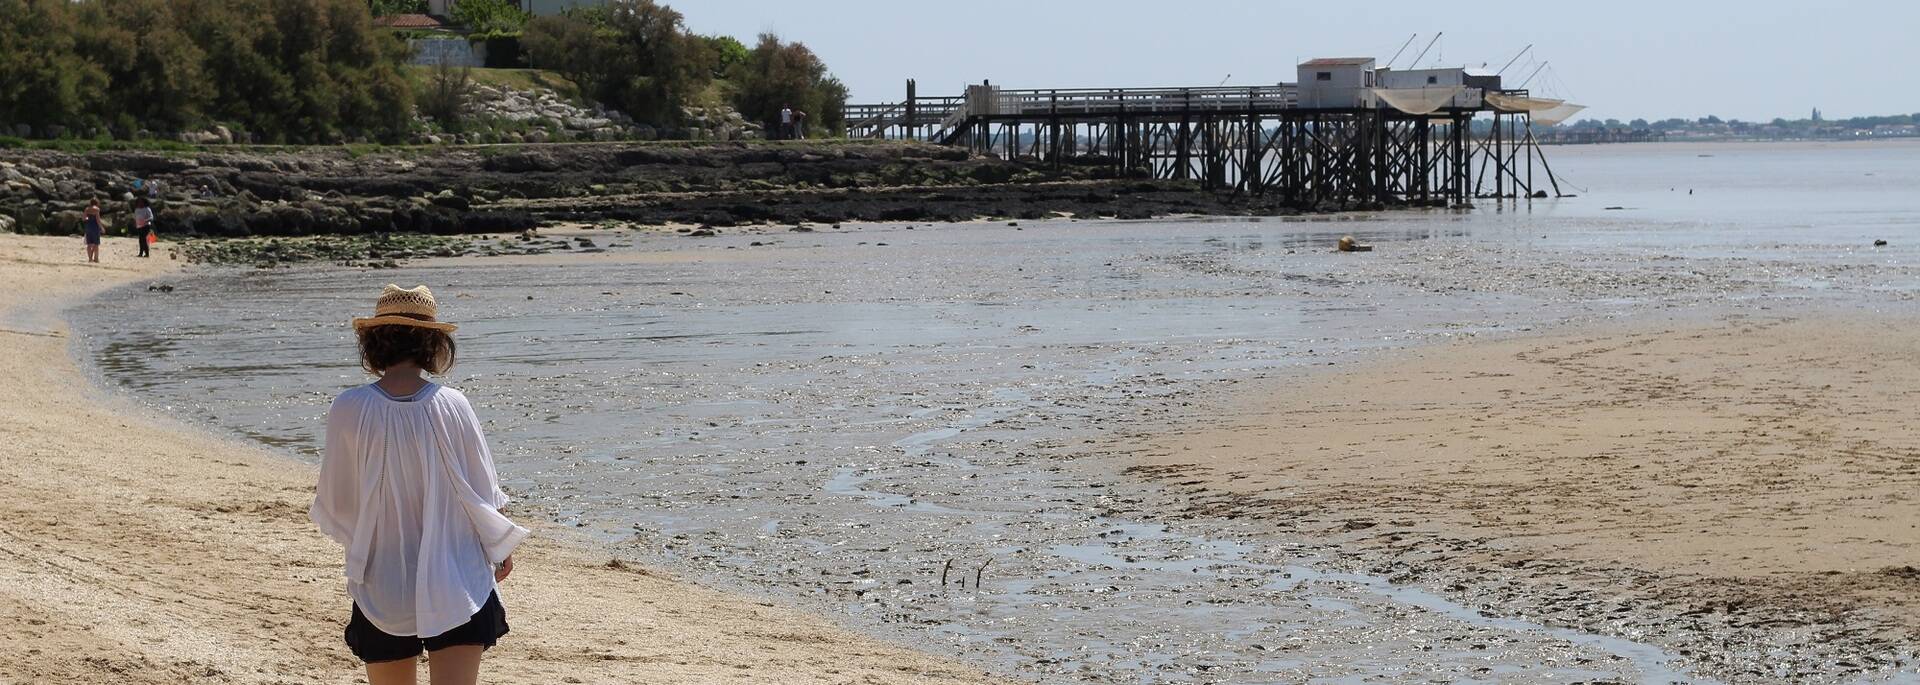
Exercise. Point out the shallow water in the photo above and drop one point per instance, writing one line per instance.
(841, 418)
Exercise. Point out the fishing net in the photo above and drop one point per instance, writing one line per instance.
(1560, 113)
(1418, 100)
(1543, 111)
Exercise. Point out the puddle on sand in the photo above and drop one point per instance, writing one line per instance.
(1129, 559)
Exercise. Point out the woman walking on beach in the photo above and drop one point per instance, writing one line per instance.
(407, 485)
(90, 229)
(143, 224)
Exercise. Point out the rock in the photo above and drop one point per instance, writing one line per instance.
(7, 223)
(224, 134)
(587, 123)
(1879, 243)
(447, 199)
(22, 131)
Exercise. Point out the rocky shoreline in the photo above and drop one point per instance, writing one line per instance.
(510, 188)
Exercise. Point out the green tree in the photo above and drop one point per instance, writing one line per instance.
(290, 70)
(777, 75)
(154, 70)
(44, 79)
(728, 52)
(635, 55)
(571, 46)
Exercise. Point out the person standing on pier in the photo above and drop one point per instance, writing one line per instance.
(786, 122)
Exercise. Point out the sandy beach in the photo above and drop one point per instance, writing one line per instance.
(137, 550)
(1731, 479)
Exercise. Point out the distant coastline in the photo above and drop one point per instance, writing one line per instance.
(1714, 129)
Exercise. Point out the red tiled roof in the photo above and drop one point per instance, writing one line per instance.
(1337, 62)
(407, 21)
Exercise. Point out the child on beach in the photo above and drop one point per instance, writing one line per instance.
(407, 485)
(90, 229)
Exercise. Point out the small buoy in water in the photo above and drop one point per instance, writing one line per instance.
(1879, 243)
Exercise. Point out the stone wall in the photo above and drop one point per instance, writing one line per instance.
(457, 52)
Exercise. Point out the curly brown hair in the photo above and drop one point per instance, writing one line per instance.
(384, 347)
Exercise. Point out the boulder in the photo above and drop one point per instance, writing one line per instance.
(587, 123)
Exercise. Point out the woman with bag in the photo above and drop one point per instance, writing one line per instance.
(407, 485)
(143, 224)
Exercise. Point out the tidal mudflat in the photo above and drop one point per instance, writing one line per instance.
(925, 431)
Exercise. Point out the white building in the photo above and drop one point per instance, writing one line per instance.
(1472, 82)
(1337, 83)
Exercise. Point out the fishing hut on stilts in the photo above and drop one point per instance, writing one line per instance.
(1346, 133)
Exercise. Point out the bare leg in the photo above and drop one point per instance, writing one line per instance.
(400, 672)
(455, 665)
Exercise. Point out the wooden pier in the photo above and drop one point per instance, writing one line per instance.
(1251, 139)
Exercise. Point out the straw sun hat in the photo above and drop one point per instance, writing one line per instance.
(402, 307)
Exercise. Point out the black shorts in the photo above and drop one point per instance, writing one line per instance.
(373, 646)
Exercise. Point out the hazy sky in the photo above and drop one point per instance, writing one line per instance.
(1629, 58)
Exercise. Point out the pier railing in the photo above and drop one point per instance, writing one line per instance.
(1100, 101)
(946, 113)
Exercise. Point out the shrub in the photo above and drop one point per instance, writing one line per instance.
(490, 16)
(291, 70)
(446, 96)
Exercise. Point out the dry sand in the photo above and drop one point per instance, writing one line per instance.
(137, 550)
(1763, 473)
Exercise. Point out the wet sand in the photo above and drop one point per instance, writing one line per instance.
(1743, 482)
(138, 550)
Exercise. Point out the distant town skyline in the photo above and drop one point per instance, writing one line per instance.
(1625, 60)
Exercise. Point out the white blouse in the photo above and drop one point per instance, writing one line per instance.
(409, 488)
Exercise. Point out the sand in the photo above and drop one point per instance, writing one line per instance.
(138, 550)
(1741, 473)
